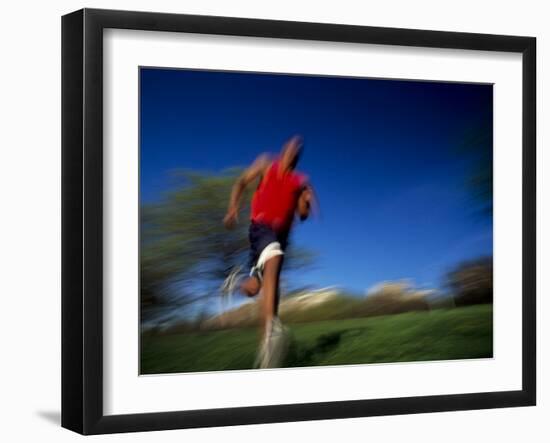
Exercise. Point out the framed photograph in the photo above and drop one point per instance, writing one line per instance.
(269, 221)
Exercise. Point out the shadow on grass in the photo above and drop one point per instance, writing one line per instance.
(307, 356)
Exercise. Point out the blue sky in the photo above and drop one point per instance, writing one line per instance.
(382, 155)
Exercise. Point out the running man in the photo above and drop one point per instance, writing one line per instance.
(282, 194)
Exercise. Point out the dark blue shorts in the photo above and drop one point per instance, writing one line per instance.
(260, 235)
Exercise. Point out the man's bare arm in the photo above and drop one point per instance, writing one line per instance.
(306, 200)
(254, 171)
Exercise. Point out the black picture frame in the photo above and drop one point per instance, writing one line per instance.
(82, 219)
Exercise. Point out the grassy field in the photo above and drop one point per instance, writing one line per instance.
(443, 334)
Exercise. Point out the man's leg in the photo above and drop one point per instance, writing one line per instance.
(270, 289)
(275, 337)
(250, 286)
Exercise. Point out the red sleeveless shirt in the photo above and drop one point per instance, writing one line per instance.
(275, 200)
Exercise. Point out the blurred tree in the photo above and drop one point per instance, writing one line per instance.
(471, 282)
(186, 252)
(394, 297)
(476, 142)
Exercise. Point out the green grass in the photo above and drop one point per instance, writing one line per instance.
(443, 334)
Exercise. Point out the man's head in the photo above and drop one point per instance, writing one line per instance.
(290, 154)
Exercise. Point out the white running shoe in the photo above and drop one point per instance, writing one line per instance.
(227, 289)
(230, 282)
(274, 346)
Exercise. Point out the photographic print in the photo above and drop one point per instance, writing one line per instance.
(254, 204)
(299, 221)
